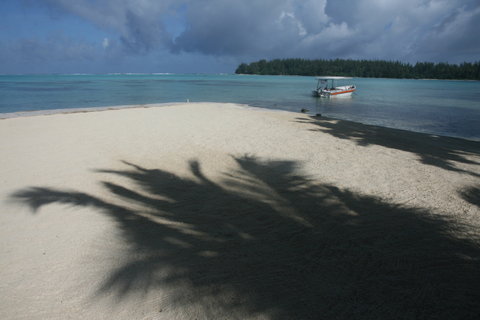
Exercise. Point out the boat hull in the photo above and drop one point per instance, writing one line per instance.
(333, 93)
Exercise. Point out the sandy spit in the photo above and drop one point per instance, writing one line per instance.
(222, 211)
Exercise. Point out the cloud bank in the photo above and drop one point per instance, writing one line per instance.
(406, 30)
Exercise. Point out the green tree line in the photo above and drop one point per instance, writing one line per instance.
(363, 68)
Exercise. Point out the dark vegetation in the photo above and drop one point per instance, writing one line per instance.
(281, 244)
(363, 68)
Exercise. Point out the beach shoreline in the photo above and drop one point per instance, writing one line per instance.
(47, 112)
(430, 107)
(34, 113)
(221, 210)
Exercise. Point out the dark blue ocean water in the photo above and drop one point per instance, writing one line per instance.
(450, 108)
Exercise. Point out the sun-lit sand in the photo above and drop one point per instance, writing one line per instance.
(222, 211)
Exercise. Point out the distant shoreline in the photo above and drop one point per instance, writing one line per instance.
(217, 74)
(354, 77)
(363, 68)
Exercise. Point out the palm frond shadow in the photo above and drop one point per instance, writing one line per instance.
(440, 152)
(471, 194)
(276, 243)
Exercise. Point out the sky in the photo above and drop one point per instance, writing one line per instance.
(215, 36)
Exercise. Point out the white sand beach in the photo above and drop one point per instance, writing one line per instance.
(223, 211)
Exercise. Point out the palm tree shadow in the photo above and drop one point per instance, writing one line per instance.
(471, 194)
(267, 240)
(436, 151)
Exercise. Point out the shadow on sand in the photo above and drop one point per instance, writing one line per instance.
(472, 195)
(436, 151)
(267, 240)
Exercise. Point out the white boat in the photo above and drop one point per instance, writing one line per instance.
(326, 87)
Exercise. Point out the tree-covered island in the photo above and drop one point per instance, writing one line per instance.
(363, 68)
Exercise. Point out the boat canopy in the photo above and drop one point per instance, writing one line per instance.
(332, 78)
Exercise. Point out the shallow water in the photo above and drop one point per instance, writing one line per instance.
(450, 108)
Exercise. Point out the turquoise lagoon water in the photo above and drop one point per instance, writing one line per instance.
(450, 108)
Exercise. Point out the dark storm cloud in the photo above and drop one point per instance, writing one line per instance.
(140, 34)
(458, 35)
(138, 23)
(243, 27)
(374, 29)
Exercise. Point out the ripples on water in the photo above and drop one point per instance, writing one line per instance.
(449, 108)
